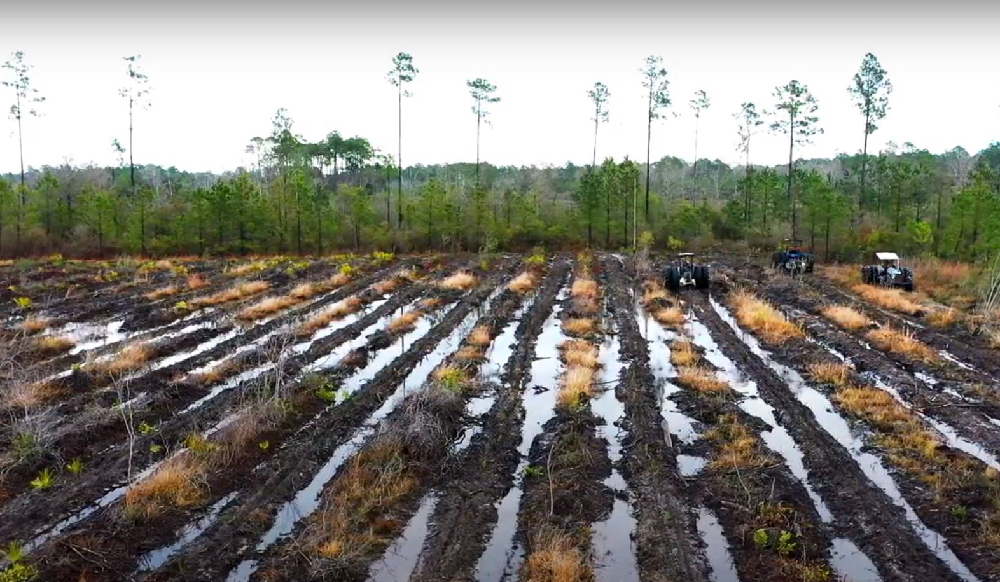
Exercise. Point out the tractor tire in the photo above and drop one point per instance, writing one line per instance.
(810, 266)
(674, 279)
(701, 278)
(776, 260)
(866, 275)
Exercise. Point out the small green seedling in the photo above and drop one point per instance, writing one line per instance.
(264, 445)
(760, 538)
(182, 306)
(14, 552)
(785, 544)
(22, 302)
(75, 466)
(25, 445)
(146, 429)
(155, 448)
(959, 512)
(199, 445)
(532, 471)
(43, 480)
(326, 393)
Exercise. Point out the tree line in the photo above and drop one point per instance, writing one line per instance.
(341, 192)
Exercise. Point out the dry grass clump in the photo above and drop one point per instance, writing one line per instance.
(178, 482)
(847, 274)
(830, 372)
(234, 293)
(877, 406)
(579, 353)
(480, 336)
(555, 558)
(462, 280)
(682, 353)
(430, 303)
(196, 281)
(130, 358)
(943, 317)
(584, 288)
(846, 317)
(247, 268)
(31, 394)
(577, 383)
(951, 282)
(653, 292)
(579, 326)
(333, 313)
(522, 283)
(162, 292)
(406, 321)
(469, 354)
(738, 448)
(339, 280)
(669, 316)
(995, 339)
(763, 318)
(352, 520)
(386, 286)
(266, 307)
(893, 299)
(305, 290)
(902, 342)
(701, 379)
(50, 345)
(217, 372)
(34, 324)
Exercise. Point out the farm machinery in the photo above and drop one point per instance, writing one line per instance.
(792, 259)
(685, 273)
(886, 272)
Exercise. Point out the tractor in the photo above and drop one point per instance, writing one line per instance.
(792, 259)
(887, 272)
(684, 273)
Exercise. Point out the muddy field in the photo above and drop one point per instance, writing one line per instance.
(467, 418)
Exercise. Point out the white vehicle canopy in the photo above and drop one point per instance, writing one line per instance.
(887, 256)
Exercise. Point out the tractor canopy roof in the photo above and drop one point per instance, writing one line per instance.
(887, 256)
(684, 255)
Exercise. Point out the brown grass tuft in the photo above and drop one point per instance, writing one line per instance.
(669, 316)
(31, 394)
(386, 286)
(430, 303)
(577, 383)
(943, 317)
(480, 336)
(522, 283)
(893, 299)
(179, 482)
(683, 353)
(266, 307)
(995, 339)
(653, 292)
(461, 280)
(237, 292)
(579, 353)
(305, 290)
(701, 379)
(51, 345)
(34, 324)
(162, 292)
(847, 274)
(878, 406)
(339, 280)
(469, 354)
(555, 558)
(579, 326)
(902, 342)
(846, 317)
(738, 448)
(131, 357)
(763, 318)
(406, 321)
(196, 281)
(830, 372)
(584, 288)
(333, 313)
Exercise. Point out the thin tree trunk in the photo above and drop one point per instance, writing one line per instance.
(479, 119)
(399, 174)
(593, 162)
(791, 196)
(649, 140)
(21, 198)
(864, 168)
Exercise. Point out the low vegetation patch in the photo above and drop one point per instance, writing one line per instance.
(266, 307)
(51, 345)
(579, 326)
(462, 280)
(480, 336)
(702, 379)
(846, 317)
(335, 312)
(555, 557)
(34, 324)
(130, 358)
(683, 353)
(943, 317)
(830, 372)
(406, 321)
(765, 319)
(894, 299)
(235, 293)
(902, 342)
(669, 316)
(162, 292)
(580, 353)
(195, 281)
(178, 482)
(737, 446)
(523, 283)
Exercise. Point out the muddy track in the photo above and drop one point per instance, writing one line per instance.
(666, 536)
(863, 513)
(42, 507)
(973, 349)
(968, 416)
(233, 535)
(466, 511)
(286, 562)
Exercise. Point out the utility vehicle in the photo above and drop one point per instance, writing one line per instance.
(886, 272)
(792, 259)
(685, 273)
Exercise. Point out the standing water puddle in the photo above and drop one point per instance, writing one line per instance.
(612, 538)
(159, 556)
(401, 557)
(308, 499)
(851, 563)
(717, 550)
(502, 555)
(777, 439)
(838, 428)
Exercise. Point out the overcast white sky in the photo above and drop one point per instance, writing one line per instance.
(220, 70)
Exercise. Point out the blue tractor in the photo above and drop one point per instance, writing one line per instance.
(793, 259)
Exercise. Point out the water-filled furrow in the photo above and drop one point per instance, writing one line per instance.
(308, 499)
(612, 537)
(402, 556)
(720, 560)
(502, 554)
(777, 439)
(850, 563)
(837, 427)
(156, 558)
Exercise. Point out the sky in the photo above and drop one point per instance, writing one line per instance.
(220, 70)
